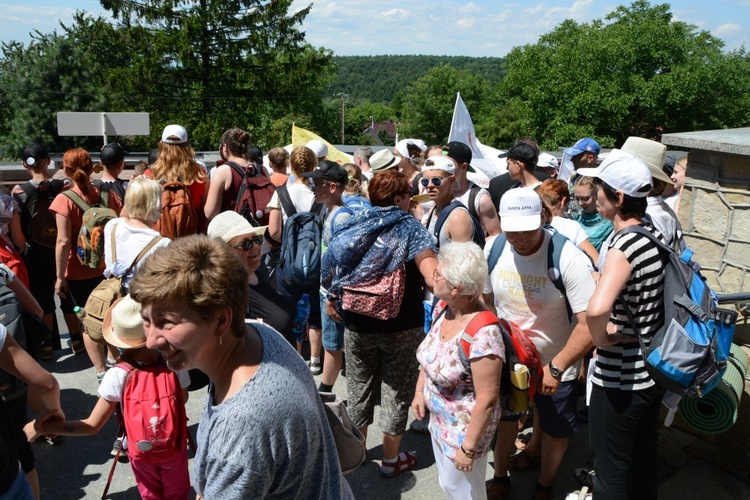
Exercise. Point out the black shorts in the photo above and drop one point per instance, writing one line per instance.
(41, 266)
(558, 413)
(78, 293)
(16, 408)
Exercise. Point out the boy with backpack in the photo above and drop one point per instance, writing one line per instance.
(112, 158)
(548, 303)
(328, 183)
(39, 227)
(150, 402)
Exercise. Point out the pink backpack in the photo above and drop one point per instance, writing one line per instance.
(152, 412)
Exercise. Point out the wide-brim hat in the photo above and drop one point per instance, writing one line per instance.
(123, 326)
(228, 225)
(651, 153)
(383, 160)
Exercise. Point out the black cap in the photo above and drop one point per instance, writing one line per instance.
(112, 154)
(330, 171)
(520, 151)
(458, 151)
(34, 152)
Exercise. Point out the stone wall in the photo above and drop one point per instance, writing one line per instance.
(714, 212)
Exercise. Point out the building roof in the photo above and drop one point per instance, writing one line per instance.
(732, 141)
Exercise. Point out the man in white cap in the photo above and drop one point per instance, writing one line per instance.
(520, 287)
(438, 178)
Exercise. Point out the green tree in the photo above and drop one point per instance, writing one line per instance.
(426, 108)
(227, 63)
(637, 72)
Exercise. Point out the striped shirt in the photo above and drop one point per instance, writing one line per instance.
(621, 366)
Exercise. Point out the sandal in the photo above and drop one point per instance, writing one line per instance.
(523, 461)
(542, 492)
(499, 488)
(585, 477)
(404, 462)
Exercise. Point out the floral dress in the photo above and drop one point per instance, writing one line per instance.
(449, 388)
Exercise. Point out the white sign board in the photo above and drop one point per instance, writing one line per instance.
(103, 124)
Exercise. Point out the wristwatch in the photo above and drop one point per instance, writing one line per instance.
(555, 371)
(469, 454)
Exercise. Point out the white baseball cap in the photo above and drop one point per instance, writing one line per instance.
(174, 134)
(318, 147)
(439, 163)
(520, 210)
(623, 172)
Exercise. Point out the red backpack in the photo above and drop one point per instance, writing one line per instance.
(253, 195)
(518, 349)
(152, 412)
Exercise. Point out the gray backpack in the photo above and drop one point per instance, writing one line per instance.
(301, 244)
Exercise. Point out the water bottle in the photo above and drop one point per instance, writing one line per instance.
(300, 318)
(80, 312)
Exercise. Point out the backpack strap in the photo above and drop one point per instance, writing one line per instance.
(554, 251)
(496, 251)
(142, 253)
(473, 193)
(479, 321)
(286, 200)
(112, 245)
(444, 213)
(77, 200)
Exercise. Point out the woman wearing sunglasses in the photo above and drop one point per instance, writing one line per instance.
(265, 303)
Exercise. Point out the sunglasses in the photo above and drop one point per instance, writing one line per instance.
(436, 181)
(584, 199)
(249, 244)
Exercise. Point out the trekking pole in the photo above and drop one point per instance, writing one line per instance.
(114, 464)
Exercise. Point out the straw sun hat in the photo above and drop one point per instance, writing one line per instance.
(123, 325)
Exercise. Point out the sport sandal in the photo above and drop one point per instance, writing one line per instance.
(404, 462)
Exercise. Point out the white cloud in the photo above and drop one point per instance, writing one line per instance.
(727, 29)
(396, 13)
(466, 22)
(469, 8)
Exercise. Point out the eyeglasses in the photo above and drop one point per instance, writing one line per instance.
(436, 181)
(320, 185)
(249, 244)
(436, 276)
(584, 199)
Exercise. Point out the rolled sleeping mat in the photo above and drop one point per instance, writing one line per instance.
(716, 412)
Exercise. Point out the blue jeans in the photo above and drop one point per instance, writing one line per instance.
(333, 332)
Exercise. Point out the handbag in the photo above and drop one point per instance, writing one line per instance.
(350, 443)
(381, 299)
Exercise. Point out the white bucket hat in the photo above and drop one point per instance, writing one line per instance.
(123, 326)
(228, 225)
(651, 153)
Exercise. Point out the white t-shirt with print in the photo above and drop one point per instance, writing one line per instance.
(525, 295)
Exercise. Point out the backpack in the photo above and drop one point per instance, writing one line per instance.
(108, 291)
(90, 243)
(254, 193)
(12, 318)
(478, 236)
(688, 354)
(37, 221)
(473, 193)
(152, 412)
(178, 215)
(518, 350)
(116, 187)
(554, 251)
(301, 243)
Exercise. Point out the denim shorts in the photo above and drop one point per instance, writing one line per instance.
(333, 333)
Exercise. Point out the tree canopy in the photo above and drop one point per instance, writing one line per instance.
(637, 72)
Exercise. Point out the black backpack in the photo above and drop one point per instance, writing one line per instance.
(12, 318)
(478, 237)
(116, 187)
(37, 221)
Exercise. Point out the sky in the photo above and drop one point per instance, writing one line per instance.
(479, 28)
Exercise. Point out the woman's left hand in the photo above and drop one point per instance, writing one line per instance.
(463, 463)
(332, 310)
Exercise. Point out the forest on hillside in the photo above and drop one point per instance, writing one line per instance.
(379, 78)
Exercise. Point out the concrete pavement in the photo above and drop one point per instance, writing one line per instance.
(78, 467)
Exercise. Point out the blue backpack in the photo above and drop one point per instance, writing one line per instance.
(301, 244)
(688, 354)
(554, 251)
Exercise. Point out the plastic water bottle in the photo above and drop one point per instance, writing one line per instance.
(300, 318)
(80, 312)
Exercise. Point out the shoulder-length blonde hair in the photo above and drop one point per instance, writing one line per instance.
(176, 162)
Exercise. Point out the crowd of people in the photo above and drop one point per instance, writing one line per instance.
(395, 269)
